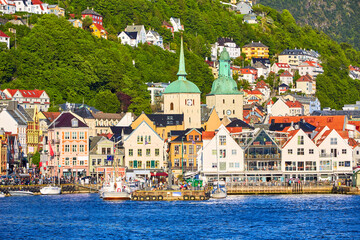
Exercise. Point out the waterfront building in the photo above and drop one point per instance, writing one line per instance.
(33, 131)
(144, 149)
(68, 140)
(337, 122)
(220, 147)
(224, 95)
(103, 121)
(183, 97)
(184, 147)
(104, 157)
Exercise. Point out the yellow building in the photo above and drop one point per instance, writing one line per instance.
(185, 145)
(3, 154)
(210, 120)
(55, 9)
(33, 131)
(98, 30)
(162, 124)
(256, 50)
(76, 23)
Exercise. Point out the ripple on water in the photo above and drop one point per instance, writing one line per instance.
(86, 216)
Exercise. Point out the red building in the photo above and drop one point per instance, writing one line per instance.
(96, 17)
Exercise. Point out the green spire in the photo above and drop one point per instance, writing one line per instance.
(182, 73)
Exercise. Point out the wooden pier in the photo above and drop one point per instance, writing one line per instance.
(295, 189)
(171, 195)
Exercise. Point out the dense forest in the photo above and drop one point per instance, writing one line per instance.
(337, 18)
(72, 65)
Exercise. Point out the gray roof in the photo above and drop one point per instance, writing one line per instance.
(30, 112)
(90, 11)
(134, 28)
(205, 113)
(94, 141)
(16, 117)
(259, 65)
(349, 113)
(303, 99)
(255, 44)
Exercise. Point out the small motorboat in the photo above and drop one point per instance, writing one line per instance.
(219, 190)
(50, 190)
(2, 194)
(113, 195)
(21, 193)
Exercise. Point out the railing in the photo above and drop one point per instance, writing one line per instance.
(263, 156)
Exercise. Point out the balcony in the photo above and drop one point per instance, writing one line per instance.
(263, 156)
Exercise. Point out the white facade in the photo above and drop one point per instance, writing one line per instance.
(144, 149)
(176, 23)
(221, 148)
(22, 6)
(276, 67)
(10, 124)
(7, 7)
(29, 98)
(305, 86)
(280, 108)
(231, 47)
(248, 77)
(311, 68)
(127, 40)
(154, 38)
(5, 39)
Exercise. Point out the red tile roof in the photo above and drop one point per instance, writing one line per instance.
(98, 26)
(234, 129)
(2, 34)
(295, 104)
(27, 93)
(286, 74)
(37, 2)
(353, 143)
(262, 84)
(290, 136)
(282, 65)
(208, 135)
(333, 122)
(304, 78)
(51, 116)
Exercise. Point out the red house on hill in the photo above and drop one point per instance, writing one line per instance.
(96, 17)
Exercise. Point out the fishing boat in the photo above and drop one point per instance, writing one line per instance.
(21, 193)
(116, 190)
(219, 187)
(50, 190)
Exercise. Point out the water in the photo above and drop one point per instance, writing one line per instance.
(86, 216)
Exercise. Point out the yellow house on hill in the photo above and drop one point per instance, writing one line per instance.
(98, 30)
(256, 50)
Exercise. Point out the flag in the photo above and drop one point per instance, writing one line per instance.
(51, 151)
(193, 142)
(16, 149)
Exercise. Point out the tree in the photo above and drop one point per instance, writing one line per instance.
(106, 101)
(36, 159)
(87, 21)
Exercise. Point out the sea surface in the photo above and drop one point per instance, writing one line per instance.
(86, 216)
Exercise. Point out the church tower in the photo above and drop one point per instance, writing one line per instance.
(224, 95)
(183, 96)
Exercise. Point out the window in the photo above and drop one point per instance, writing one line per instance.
(81, 162)
(131, 164)
(300, 166)
(222, 140)
(344, 151)
(231, 165)
(157, 164)
(74, 148)
(67, 162)
(157, 152)
(176, 162)
(82, 148)
(99, 162)
(290, 151)
(233, 152)
(237, 165)
(191, 162)
(191, 137)
(176, 149)
(290, 166)
(325, 165)
(214, 152)
(171, 106)
(148, 164)
(311, 151)
(300, 140)
(103, 151)
(214, 165)
(74, 161)
(108, 151)
(139, 152)
(67, 135)
(81, 135)
(197, 138)
(300, 151)
(73, 135)
(67, 148)
(222, 153)
(131, 152)
(347, 163)
(341, 164)
(148, 152)
(139, 164)
(310, 166)
(333, 141)
(191, 149)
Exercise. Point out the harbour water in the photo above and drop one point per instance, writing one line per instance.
(86, 216)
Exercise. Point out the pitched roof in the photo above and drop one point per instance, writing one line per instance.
(262, 84)
(282, 65)
(94, 141)
(102, 115)
(333, 122)
(293, 104)
(100, 27)
(239, 123)
(64, 120)
(283, 85)
(181, 136)
(51, 116)
(291, 136)
(90, 12)
(255, 44)
(2, 34)
(162, 120)
(286, 74)
(304, 78)
(306, 127)
(208, 135)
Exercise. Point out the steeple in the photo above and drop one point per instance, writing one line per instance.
(182, 73)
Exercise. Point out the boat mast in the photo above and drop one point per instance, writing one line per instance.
(217, 157)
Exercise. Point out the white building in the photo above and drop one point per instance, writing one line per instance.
(276, 67)
(7, 7)
(175, 22)
(38, 7)
(287, 108)
(144, 149)
(29, 98)
(22, 5)
(154, 38)
(306, 85)
(133, 35)
(310, 67)
(286, 78)
(221, 149)
(156, 90)
(5, 39)
(127, 38)
(231, 47)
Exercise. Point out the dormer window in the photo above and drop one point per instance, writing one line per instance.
(74, 123)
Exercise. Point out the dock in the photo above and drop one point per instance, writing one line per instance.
(171, 195)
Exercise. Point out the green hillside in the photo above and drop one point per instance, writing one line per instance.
(337, 18)
(72, 65)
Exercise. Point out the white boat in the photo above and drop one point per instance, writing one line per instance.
(21, 193)
(219, 191)
(116, 191)
(50, 190)
(2, 194)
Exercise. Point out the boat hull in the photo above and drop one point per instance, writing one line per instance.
(219, 195)
(116, 196)
(50, 191)
(21, 193)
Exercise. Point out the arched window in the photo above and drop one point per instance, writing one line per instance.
(171, 106)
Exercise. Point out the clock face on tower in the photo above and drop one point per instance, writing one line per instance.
(189, 102)
(228, 112)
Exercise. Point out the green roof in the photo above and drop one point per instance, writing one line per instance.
(223, 86)
(224, 55)
(182, 85)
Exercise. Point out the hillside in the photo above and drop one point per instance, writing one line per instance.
(337, 18)
(72, 65)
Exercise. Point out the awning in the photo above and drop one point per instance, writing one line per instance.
(159, 174)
